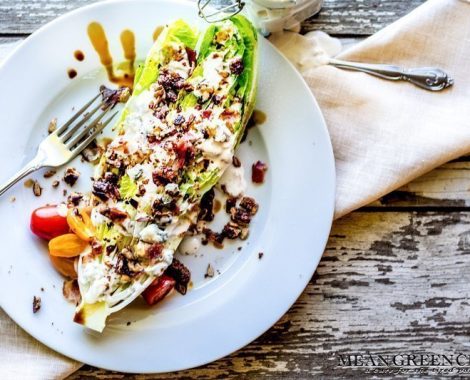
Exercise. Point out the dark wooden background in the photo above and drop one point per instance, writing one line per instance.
(394, 276)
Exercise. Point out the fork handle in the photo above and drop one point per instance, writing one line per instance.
(429, 78)
(29, 168)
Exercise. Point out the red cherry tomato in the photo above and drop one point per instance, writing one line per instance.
(47, 223)
(158, 289)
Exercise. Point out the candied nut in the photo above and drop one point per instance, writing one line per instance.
(36, 304)
(49, 173)
(236, 162)
(29, 183)
(71, 176)
(209, 271)
(37, 189)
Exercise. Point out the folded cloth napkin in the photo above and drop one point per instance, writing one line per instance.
(384, 133)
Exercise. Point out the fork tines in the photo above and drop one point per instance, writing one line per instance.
(77, 134)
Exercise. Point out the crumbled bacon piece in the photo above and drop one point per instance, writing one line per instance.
(241, 216)
(181, 274)
(155, 251)
(191, 55)
(185, 153)
(206, 114)
(258, 171)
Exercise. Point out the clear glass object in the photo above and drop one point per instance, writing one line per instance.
(268, 15)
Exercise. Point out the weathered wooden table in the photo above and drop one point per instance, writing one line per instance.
(394, 276)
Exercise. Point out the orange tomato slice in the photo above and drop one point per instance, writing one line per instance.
(64, 265)
(68, 245)
(80, 223)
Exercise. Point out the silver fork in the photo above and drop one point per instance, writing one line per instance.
(67, 141)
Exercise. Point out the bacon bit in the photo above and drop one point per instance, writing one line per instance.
(36, 304)
(257, 172)
(191, 55)
(155, 251)
(185, 152)
(228, 114)
(71, 176)
(260, 255)
(181, 274)
(206, 206)
(55, 184)
(206, 114)
(236, 66)
(71, 291)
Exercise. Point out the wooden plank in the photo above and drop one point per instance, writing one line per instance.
(388, 283)
(345, 17)
(340, 17)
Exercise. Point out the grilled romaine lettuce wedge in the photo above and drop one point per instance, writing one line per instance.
(176, 136)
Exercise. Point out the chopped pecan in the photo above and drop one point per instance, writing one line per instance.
(114, 214)
(71, 176)
(249, 204)
(36, 304)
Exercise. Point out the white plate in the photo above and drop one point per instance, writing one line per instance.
(217, 316)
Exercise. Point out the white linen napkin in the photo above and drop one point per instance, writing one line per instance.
(384, 134)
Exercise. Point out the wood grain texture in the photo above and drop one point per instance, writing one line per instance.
(339, 17)
(388, 283)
